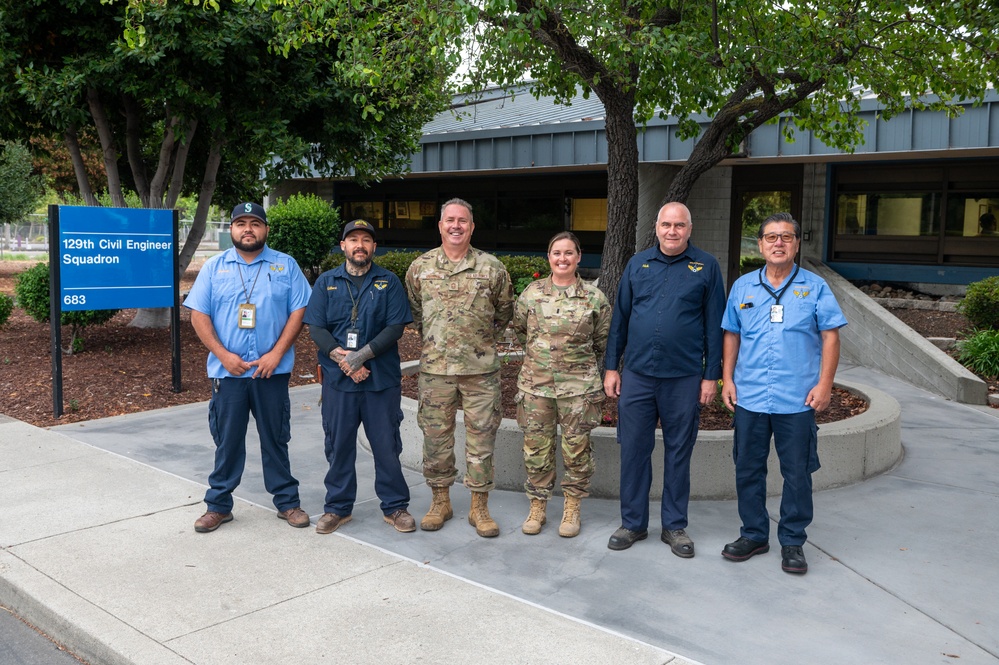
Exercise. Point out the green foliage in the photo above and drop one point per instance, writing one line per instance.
(525, 267)
(32, 290)
(132, 199)
(981, 303)
(980, 353)
(306, 227)
(397, 262)
(6, 308)
(19, 190)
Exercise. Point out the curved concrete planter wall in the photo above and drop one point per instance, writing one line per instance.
(850, 450)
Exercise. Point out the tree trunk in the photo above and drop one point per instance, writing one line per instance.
(158, 183)
(622, 191)
(133, 148)
(208, 182)
(179, 163)
(82, 181)
(110, 151)
(709, 150)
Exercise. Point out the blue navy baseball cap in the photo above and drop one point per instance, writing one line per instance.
(359, 225)
(248, 210)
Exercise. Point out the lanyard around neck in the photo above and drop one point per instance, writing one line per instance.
(243, 282)
(777, 295)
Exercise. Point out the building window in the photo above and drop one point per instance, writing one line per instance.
(372, 212)
(888, 214)
(972, 215)
(940, 213)
(588, 214)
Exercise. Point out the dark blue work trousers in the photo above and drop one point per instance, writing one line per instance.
(795, 437)
(381, 414)
(644, 401)
(233, 400)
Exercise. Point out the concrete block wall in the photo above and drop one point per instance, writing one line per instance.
(875, 338)
(710, 204)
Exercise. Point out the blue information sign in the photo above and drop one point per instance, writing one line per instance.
(115, 258)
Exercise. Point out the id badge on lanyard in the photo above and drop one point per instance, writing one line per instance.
(247, 316)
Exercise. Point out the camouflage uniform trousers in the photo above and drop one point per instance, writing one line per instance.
(440, 397)
(577, 416)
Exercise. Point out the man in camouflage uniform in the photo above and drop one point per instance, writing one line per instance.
(462, 300)
(563, 323)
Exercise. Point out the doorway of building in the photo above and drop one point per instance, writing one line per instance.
(757, 193)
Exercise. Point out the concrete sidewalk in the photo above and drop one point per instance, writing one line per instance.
(99, 550)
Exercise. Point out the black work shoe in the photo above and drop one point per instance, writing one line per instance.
(744, 548)
(793, 560)
(623, 538)
(679, 542)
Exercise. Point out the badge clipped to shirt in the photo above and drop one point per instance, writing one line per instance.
(353, 334)
(247, 316)
(776, 313)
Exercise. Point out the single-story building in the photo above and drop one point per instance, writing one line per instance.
(912, 204)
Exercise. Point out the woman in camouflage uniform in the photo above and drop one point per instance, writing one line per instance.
(562, 323)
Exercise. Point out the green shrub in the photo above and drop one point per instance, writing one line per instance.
(522, 267)
(980, 353)
(32, 291)
(395, 262)
(306, 227)
(981, 303)
(6, 307)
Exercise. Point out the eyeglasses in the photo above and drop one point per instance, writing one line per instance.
(771, 238)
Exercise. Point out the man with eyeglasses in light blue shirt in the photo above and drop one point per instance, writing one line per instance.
(781, 349)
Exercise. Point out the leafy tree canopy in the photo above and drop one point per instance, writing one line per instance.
(723, 68)
(19, 189)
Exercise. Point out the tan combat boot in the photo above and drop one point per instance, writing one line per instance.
(440, 510)
(570, 518)
(534, 521)
(478, 516)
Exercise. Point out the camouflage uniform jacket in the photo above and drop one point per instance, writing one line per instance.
(563, 333)
(461, 310)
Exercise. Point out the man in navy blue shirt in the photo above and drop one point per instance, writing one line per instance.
(666, 328)
(356, 315)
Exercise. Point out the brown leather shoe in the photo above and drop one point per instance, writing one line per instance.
(211, 521)
(296, 517)
(402, 521)
(330, 522)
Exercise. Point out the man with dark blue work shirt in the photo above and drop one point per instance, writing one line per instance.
(667, 326)
(781, 350)
(247, 306)
(356, 315)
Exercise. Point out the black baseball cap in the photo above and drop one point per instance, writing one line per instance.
(248, 209)
(359, 225)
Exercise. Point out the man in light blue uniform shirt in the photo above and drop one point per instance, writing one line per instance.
(247, 307)
(781, 349)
